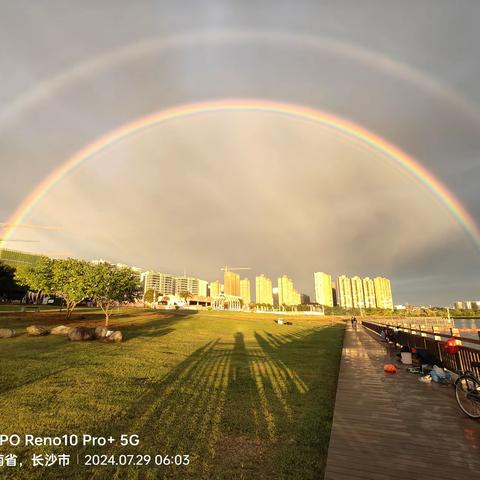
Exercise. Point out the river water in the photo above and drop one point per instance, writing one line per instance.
(468, 323)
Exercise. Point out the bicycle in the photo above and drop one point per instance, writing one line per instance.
(467, 392)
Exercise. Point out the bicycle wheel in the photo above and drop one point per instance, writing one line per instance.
(467, 392)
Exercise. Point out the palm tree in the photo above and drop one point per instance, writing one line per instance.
(186, 296)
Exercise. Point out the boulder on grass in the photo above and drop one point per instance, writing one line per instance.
(81, 334)
(61, 330)
(7, 333)
(36, 331)
(116, 337)
(101, 332)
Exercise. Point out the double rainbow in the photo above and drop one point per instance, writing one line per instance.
(339, 125)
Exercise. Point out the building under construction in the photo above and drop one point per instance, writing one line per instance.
(15, 259)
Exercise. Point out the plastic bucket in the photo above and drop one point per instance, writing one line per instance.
(406, 358)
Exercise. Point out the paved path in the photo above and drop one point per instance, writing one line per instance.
(393, 426)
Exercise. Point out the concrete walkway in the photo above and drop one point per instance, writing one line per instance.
(393, 426)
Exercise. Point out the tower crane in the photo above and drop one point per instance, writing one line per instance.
(226, 268)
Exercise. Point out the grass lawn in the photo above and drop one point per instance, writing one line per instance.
(242, 396)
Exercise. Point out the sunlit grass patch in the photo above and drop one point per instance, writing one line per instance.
(244, 397)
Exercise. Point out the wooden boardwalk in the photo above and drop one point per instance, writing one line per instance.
(393, 426)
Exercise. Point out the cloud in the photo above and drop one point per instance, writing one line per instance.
(278, 195)
(254, 189)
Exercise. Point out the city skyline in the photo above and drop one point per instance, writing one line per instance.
(328, 290)
(359, 297)
(353, 292)
(286, 293)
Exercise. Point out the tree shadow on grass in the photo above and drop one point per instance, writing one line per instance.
(6, 386)
(151, 328)
(46, 357)
(179, 414)
(243, 410)
(307, 364)
(278, 406)
(157, 327)
(27, 360)
(300, 349)
(238, 408)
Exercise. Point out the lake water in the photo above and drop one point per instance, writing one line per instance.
(468, 323)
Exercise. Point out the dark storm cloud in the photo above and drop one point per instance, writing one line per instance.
(393, 70)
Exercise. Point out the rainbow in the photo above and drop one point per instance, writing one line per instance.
(340, 126)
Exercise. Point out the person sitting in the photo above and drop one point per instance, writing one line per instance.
(390, 335)
(425, 359)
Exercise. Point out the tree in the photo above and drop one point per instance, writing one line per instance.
(185, 295)
(110, 285)
(149, 296)
(64, 278)
(38, 278)
(9, 288)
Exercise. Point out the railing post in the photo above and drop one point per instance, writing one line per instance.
(439, 350)
(455, 332)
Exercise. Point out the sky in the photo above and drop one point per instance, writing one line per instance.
(279, 194)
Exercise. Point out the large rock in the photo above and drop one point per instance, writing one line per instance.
(80, 334)
(7, 333)
(61, 330)
(36, 330)
(101, 332)
(116, 337)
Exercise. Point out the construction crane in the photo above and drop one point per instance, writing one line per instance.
(6, 225)
(226, 268)
(19, 240)
(28, 225)
(232, 285)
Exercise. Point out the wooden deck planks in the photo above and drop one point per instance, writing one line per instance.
(393, 426)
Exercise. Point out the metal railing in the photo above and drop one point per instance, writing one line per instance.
(433, 342)
(401, 320)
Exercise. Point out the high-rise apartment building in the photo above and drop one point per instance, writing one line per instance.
(323, 289)
(296, 298)
(344, 292)
(202, 288)
(245, 291)
(467, 305)
(369, 293)
(334, 295)
(285, 291)
(287, 294)
(231, 282)
(275, 295)
(186, 284)
(383, 293)
(304, 299)
(215, 289)
(358, 298)
(161, 283)
(15, 259)
(263, 290)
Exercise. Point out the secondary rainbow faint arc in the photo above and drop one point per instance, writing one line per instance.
(340, 125)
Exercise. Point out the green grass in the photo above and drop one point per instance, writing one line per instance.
(244, 397)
